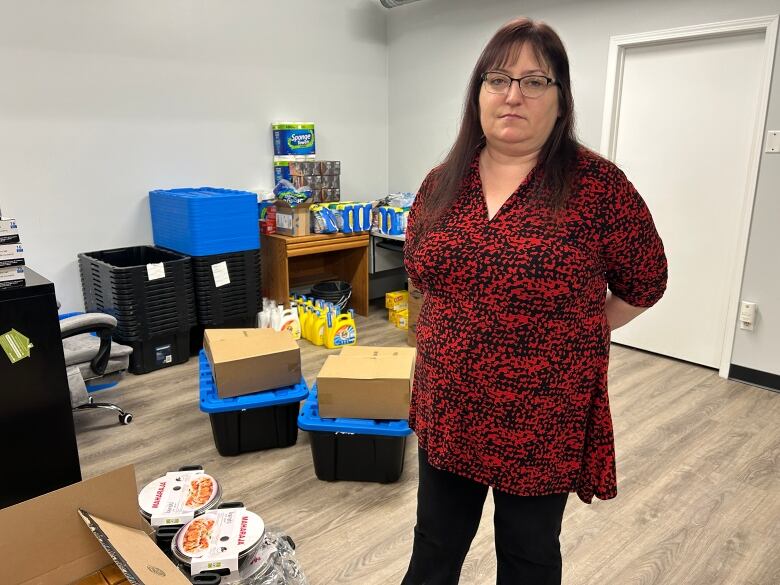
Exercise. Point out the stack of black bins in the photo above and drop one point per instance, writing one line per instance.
(222, 304)
(150, 292)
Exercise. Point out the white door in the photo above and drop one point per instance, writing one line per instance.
(684, 136)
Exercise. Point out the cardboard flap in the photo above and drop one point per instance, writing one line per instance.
(226, 345)
(366, 368)
(134, 553)
(42, 526)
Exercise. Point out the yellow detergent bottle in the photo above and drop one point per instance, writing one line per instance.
(290, 323)
(308, 315)
(299, 305)
(341, 330)
(318, 330)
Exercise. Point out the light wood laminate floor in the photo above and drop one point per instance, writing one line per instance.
(698, 478)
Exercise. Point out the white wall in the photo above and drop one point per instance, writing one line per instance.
(435, 43)
(103, 100)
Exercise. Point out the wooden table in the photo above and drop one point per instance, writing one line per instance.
(289, 262)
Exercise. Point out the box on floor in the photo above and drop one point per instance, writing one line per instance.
(367, 382)
(415, 304)
(397, 300)
(51, 543)
(245, 361)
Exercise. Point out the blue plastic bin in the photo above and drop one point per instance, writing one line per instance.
(204, 221)
(253, 422)
(351, 449)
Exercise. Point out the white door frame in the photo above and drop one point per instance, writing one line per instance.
(615, 68)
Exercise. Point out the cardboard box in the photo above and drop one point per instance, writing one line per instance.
(331, 195)
(411, 335)
(9, 232)
(330, 167)
(397, 300)
(314, 182)
(330, 182)
(245, 361)
(11, 255)
(367, 382)
(415, 304)
(11, 276)
(292, 221)
(108, 575)
(304, 168)
(51, 543)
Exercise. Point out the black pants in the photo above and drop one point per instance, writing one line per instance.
(449, 508)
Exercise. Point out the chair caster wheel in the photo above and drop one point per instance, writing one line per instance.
(126, 418)
(91, 399)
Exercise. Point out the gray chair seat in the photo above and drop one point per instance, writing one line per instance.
(91, 358)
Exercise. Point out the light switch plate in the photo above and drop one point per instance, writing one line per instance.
(773, 141)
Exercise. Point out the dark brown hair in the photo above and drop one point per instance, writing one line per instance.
(558, 155)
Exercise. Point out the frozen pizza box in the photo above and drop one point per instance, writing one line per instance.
(79, 532)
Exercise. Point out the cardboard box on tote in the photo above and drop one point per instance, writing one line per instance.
(245, 361)
(66, 536)
(367, 382)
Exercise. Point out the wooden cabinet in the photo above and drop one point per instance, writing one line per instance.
(291, 262)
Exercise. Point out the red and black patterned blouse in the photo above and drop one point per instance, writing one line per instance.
(510, 386)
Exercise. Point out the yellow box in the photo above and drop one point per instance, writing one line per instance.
(397, 300)
(402, 319)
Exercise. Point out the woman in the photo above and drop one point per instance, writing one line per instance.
(529, 249)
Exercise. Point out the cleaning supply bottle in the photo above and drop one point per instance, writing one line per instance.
(318, 331)
(291, 323)
(300, 306)
(306, 321)
(365, 217)
(341, 330)
(396, 216)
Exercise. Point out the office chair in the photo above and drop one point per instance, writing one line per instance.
(93, 362)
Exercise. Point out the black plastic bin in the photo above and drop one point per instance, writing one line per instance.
(255, 429)
(116, 282)
(253, 422)
(346, 457)
(351, 449)
(155, 316)
(241, 297)
(196, 334)
(158, 352)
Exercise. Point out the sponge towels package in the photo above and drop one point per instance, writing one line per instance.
(293, 138)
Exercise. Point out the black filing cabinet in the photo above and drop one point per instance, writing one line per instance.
(38, 445)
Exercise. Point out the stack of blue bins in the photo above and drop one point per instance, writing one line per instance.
(352, 449)
(252, 422)
(219, 230)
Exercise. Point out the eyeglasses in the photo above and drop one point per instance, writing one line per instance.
(531, 86)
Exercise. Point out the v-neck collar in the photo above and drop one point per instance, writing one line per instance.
(475, 179)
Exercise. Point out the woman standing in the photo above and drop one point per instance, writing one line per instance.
(529, 249)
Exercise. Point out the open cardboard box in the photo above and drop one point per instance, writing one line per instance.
(245, 361)
(292, 221)
(367, 382)
(47, 540)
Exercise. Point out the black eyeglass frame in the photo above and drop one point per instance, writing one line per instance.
(550, 81)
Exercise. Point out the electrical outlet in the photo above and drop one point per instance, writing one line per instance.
(773, 141)
(747, 315)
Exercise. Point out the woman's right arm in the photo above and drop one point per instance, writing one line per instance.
(413, 225)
